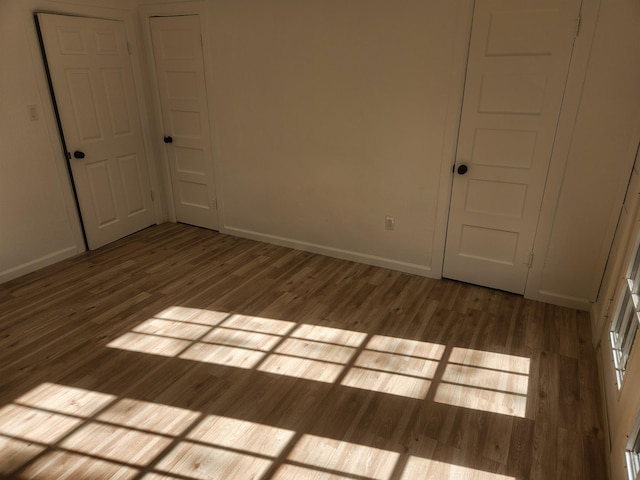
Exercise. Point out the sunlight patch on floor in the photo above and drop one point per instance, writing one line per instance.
(225, 448)
(319, 457)
(313, 352)
(379, 363)
(397, 366)
(487, 381)
(425, 468)
(57, 431)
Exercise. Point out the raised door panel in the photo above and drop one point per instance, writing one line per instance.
(102, 193)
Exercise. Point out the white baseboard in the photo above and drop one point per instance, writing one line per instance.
(376, 261)
(38, 263)
(563, 300)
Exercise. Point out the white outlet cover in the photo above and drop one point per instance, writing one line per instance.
(32, 111)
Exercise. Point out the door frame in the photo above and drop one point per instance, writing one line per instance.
(49, 113)
(555, 175)
(174, 10)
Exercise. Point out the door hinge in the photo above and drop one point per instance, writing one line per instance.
(530, 262)
(578, 23)
(128, 47)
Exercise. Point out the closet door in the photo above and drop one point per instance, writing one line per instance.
(178, 56)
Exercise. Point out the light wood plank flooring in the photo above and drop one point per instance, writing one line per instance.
(181, 353)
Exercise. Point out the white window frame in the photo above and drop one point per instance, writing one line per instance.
(625, 322)
(632, 452)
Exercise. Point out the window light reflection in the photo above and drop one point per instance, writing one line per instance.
(56, 431)
(468, 378)
(395, 366)
(314, 456)
(418, 467)
(385, 364)
(485, 381)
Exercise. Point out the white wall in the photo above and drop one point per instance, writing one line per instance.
(623, 406)
(37, 225)
(605, 136)
(331, 115)
(606, 139)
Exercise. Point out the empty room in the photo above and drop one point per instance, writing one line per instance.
(320, 239)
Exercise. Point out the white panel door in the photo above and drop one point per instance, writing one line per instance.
(178, 54)
(95, 95)
(516, 74)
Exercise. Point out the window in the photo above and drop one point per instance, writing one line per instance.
(625, 322)
(633, 452)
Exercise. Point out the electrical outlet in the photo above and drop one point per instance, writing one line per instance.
(389, 222)
(32, 111)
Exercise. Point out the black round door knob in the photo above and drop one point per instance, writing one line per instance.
(168, 139)
(462, 169)
(78, 154)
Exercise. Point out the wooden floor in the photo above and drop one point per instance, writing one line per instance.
(180, 353)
